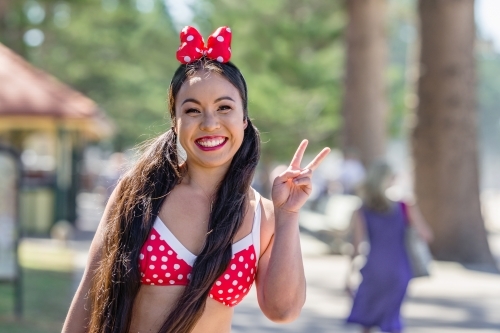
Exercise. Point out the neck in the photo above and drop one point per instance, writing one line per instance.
(207, 179)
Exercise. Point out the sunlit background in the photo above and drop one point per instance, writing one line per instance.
(83, 82)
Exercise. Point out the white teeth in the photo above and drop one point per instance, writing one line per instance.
(211, 143)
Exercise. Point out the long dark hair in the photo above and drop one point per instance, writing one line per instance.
(141, 193)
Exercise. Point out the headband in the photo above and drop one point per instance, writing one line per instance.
(193, 46)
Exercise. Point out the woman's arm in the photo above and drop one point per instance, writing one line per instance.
(359, 243)
(79, 310)
(281, 283)
(418, 221)
(358, 233)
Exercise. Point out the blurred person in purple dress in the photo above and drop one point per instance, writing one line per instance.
(387, 271)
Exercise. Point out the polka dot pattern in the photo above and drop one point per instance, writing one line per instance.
(229, 289)
(158, 262)
(220, 43)
(193, 46)
(191, 40)
(237, 280)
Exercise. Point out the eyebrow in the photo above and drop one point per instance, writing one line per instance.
(223, 98)
(197, 102)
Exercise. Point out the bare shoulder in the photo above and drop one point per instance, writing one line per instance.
(268, 209)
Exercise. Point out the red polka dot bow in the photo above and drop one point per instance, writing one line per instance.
(193, 46)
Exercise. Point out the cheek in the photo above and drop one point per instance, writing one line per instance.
(239, 128)
(184, 124)
(183, 131)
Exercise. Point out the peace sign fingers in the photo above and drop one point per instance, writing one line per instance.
(293, 186)
(318, 159)
(299, 154)
(297, 158)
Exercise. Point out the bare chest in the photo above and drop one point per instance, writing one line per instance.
(187, 215)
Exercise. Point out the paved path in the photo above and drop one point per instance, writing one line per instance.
(454, 299)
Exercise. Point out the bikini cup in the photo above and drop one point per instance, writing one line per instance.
(164, 261)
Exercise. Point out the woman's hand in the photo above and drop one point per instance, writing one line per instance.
(292, 187)
(418, 221)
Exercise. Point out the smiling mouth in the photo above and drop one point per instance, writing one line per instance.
(211, 143)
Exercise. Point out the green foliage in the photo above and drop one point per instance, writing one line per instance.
(120, 57)
(290, 51)
(291, 54)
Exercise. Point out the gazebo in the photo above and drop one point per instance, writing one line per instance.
(49, 124)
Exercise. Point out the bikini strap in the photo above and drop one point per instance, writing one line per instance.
(256, 225)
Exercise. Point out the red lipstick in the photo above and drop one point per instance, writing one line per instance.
(210, 143)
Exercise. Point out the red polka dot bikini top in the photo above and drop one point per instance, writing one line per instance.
(164, 261)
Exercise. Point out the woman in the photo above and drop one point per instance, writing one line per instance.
(182, 241)
(387, 271)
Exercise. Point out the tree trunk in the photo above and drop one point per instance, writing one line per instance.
(445, 135)
(365, 104)
(4, 8)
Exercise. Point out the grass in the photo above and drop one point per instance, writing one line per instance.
(47, 288)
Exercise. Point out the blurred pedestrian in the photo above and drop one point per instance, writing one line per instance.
(387, 270)
(183, 241)
(352, 172)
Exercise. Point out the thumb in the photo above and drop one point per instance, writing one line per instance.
(287, 174)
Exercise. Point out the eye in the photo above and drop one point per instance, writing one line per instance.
(192, 110)
(224, 108)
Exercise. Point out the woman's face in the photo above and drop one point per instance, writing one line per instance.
(209, 120)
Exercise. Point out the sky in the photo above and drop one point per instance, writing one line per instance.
(487, 19)
(180, 12)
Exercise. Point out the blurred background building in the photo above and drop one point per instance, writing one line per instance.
(50, 124)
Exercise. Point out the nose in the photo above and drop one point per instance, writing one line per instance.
(209, 122)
